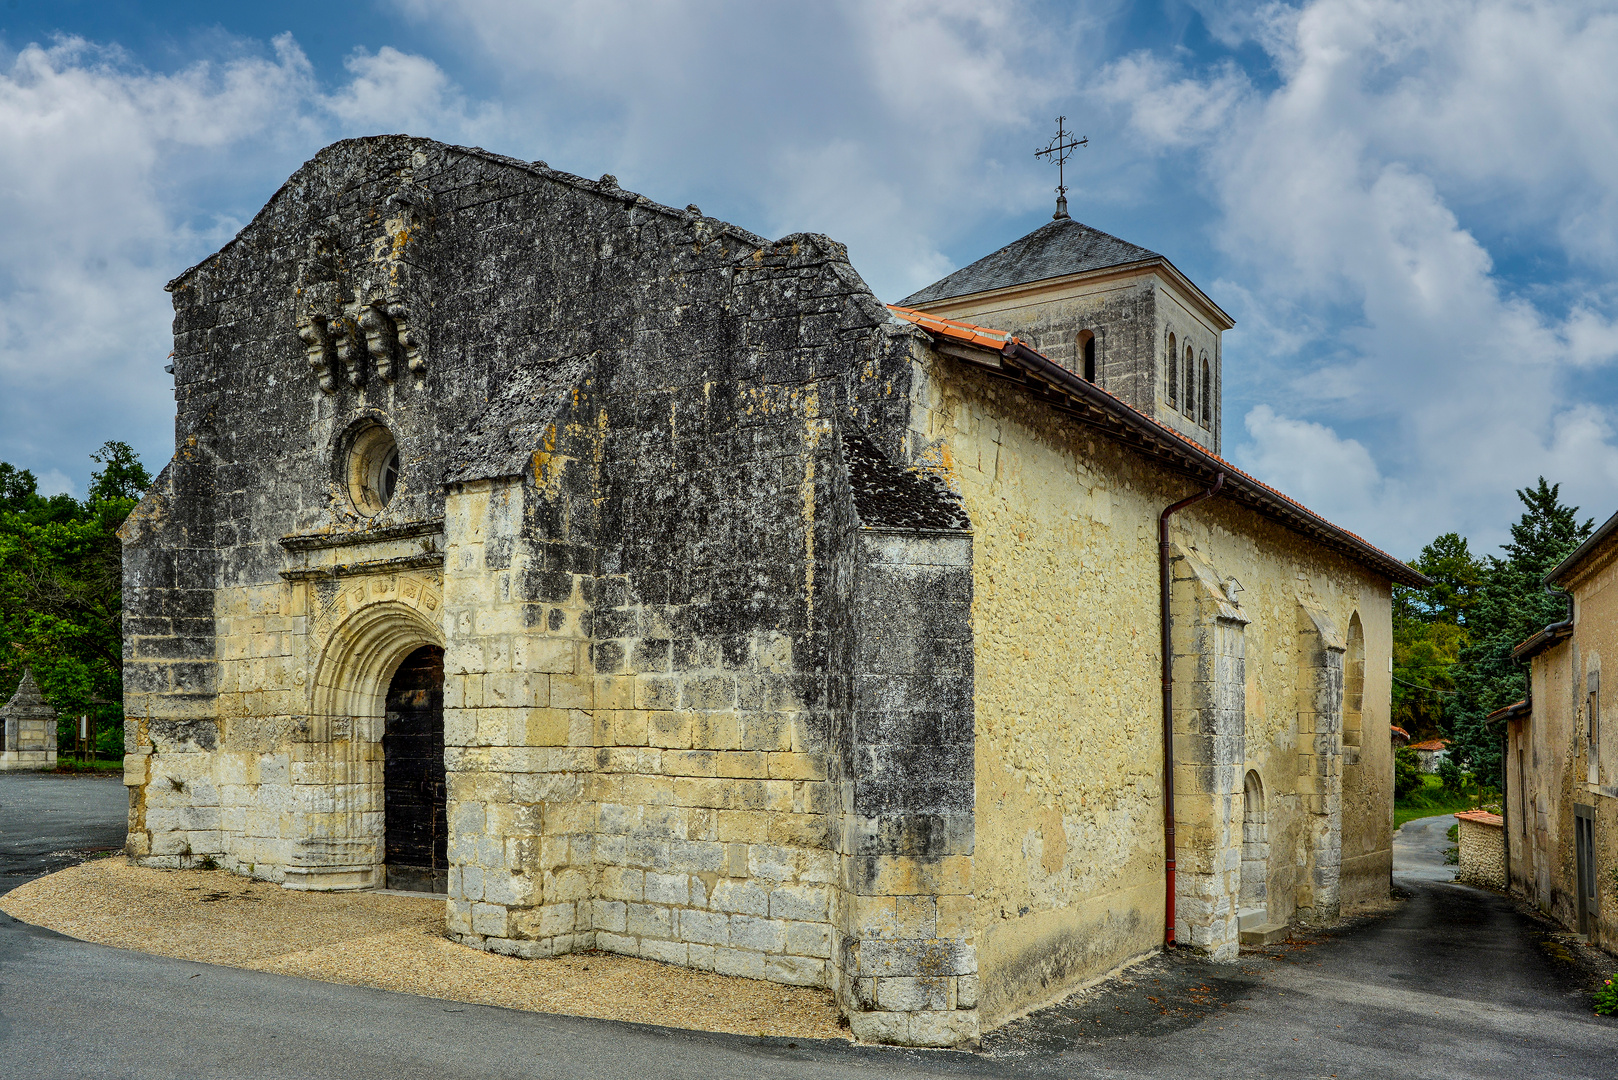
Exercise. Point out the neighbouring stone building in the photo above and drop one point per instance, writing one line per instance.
(646, 585)
(1561, 798)
(30, 729)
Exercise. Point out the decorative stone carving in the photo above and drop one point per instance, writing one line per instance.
(349, 351)
(408, 337)
(318, 345)
(379, 339)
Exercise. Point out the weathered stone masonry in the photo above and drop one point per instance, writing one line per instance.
(644, 503)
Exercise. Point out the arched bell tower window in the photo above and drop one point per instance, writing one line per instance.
(1190, 383)
(1207, 392)
(1087, 353)
(373, 469)
(1174, 372)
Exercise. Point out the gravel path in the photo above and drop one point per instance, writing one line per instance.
(393, 942)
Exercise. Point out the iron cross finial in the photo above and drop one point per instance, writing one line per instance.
(1061, 148)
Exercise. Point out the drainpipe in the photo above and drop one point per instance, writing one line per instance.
(1165, 622)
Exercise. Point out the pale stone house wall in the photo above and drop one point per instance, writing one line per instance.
(1562, 758)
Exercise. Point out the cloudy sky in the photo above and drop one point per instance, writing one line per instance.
(1410, 209)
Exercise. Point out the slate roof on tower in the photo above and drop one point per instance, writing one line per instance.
(1061, 247)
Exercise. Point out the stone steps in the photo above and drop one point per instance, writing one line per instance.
(1268, 934)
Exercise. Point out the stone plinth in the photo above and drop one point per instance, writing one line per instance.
(30, 729)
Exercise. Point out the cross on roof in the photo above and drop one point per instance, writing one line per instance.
(1060, 149)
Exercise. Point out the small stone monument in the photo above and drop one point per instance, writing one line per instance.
(30, 729)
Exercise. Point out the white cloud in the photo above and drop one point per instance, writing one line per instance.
(104, 167)
(1358, 199)
(880, 122)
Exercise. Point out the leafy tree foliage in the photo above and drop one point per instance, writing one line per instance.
(1510, 605)
(61, 602)
(1429, 631)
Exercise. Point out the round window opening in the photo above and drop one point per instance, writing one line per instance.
(373, 470)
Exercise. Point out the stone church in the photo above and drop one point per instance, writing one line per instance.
(645, 585)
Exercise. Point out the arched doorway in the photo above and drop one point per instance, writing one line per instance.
(1253, 910)
(413, 796)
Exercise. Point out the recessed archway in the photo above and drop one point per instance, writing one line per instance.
(338, 823)
(1254, 905)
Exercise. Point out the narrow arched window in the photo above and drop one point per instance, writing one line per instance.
(1190, 383)
(1207, 392)
(1087, 352)
(1174, 372)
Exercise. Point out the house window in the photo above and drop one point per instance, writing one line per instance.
(1087, 350)
(373, 470)
(1592, 686)
(1174, 372)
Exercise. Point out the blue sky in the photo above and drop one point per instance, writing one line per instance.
(1409, 209)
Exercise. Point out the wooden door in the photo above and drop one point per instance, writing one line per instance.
(413, 775)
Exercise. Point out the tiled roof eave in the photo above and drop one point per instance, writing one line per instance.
(1065, 392)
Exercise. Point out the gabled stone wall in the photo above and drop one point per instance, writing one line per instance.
(651, 503)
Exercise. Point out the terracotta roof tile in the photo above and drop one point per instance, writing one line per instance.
(1482, 817)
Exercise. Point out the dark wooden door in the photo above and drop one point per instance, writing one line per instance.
(1584, 865)
(413, 775)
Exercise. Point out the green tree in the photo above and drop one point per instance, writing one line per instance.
(1429, 632)
(61, 603)
(1510, 606)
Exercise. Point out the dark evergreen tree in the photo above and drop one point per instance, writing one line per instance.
(1510, 606)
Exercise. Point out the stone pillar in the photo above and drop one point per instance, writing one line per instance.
(1320, 754)
(1210, 724)
(30, 729)
(905, 960)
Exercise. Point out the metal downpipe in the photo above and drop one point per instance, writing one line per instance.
(1165, 622)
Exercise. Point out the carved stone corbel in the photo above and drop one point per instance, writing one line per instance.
(408, 337)
(379, 339)
(349, 351)
(318, 347)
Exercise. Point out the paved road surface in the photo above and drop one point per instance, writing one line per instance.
(1453, 984)
(48, 821)
(1419, 847)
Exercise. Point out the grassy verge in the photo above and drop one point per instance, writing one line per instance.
(1429, 800)
(99, 765)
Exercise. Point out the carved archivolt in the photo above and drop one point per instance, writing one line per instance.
(361, 653)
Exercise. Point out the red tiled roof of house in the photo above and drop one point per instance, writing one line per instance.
(1399, 731)
(1262, 494)
(1430, 744)
(1482, 817)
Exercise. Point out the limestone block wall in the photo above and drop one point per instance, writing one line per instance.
(1068, 864)
(906, 961)
(1210, 752)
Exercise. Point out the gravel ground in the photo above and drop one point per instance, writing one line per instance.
(393, 942)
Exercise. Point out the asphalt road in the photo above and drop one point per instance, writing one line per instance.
(1454, 983)
(48, 821)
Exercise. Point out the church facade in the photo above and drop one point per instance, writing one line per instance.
(642, 584)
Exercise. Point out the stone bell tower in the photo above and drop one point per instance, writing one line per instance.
(1108, 310)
